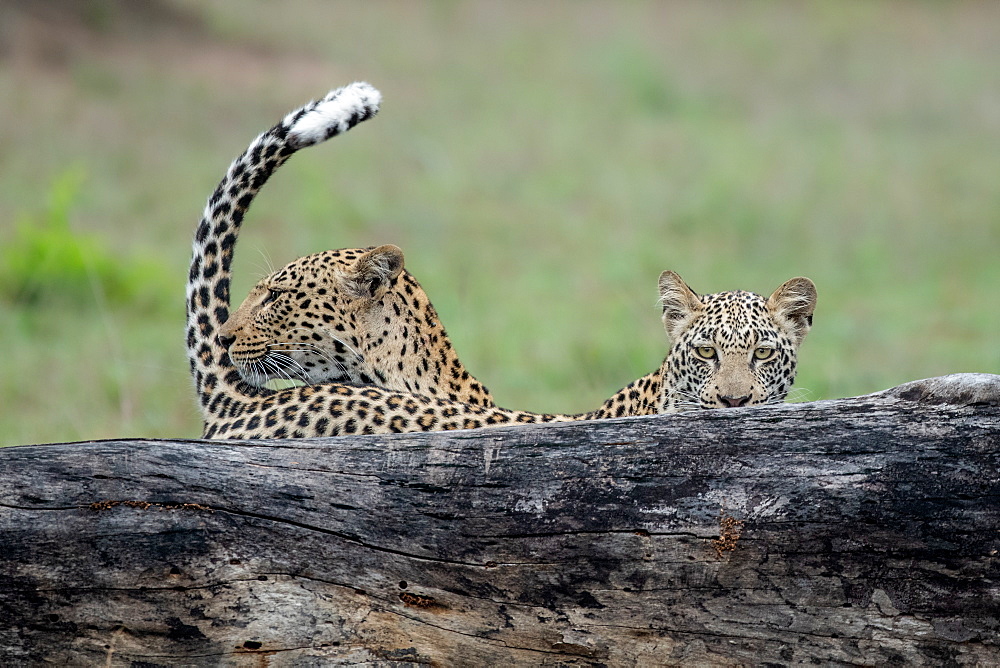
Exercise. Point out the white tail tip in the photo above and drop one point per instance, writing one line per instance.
(336, 113)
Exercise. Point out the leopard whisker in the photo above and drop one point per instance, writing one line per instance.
(685, 400)
(289, 368)
(799, 394)
(268, 264)
(326, 354)
(284, 370)
(327, 333)
(310, 349)
(690, 396)
(347, 345)
(262, 372)
(306, 347)
(254, 374)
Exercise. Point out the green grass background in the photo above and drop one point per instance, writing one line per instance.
(539, 162)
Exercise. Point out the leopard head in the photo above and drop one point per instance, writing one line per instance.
(732, 348)
(317, 318)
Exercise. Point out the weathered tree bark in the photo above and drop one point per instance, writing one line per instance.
(860, 530)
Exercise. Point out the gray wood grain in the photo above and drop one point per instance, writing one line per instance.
(856, 531)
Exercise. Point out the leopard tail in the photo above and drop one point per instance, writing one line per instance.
(208, 286)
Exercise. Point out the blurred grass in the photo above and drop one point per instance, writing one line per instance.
(540, 164)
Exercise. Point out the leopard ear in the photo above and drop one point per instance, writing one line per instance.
(375, 271)
(680, 303)
(793, 304)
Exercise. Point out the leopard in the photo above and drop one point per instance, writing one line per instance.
(372, 353)
(734, 348)
(234, 402)
(350, 315)
(727, 350)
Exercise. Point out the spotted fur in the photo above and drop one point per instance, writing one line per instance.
(351, 315)
(234, 408)
(352, 323)
(733, 348)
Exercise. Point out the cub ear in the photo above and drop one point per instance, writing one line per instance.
(794, 303)
(680, 303)
(375, 271)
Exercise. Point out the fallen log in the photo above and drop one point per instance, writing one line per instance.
(861, 530)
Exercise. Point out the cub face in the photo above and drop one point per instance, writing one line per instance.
(732, 348)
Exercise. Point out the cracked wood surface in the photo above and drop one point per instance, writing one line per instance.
(860, 530)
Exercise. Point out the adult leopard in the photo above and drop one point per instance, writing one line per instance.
(234, 408)
(352, 315)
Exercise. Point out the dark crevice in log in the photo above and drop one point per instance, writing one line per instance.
(42, 508)
(344, 537)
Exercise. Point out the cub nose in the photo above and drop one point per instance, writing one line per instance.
(734, 402)
(226, 341)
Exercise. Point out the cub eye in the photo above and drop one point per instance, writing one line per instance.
(706, 352)
(763, 353)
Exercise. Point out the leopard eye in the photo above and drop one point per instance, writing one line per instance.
(763, 354)
(706, 352)
(271, 296)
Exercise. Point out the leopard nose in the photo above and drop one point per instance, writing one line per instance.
(226, 341)
(734, 402)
